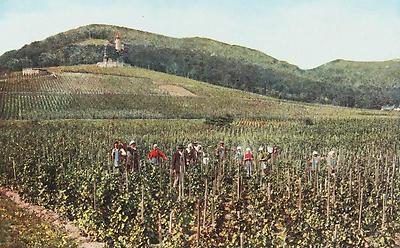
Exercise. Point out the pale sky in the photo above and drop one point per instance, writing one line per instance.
(306, 33)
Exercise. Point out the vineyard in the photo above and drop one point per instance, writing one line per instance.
(65, 165)
(56, 154)
(89, 92)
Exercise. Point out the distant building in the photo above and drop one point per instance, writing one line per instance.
(388, 108)
(108, 62)
(30, 72)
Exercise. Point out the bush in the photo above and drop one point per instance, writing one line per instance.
(220, 121)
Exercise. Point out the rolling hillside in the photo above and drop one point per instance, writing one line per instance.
(374, 74)
(90, 92)
(337, 83)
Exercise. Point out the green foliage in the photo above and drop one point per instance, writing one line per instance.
(220, 121)
(65, 165)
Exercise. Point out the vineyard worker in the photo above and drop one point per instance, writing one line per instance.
(331, 160)
(274, 154)
(190, 154)
(221, 152)
(156, 155)
(117, 154)
(198, 151)
(178, 164)
(315, 161)
(122, 152)
(248, 161)
(205, 158)
(239, 155)
(132, 157)
(262, 158)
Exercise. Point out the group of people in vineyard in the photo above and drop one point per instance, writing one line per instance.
(128, 158)
(314, 164)
(190, 155)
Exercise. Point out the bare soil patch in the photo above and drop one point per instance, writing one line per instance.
(174, 90)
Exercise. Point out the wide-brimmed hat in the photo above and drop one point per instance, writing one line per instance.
(314, 153)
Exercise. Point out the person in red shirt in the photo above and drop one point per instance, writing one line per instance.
(156, 155)
(248, 161)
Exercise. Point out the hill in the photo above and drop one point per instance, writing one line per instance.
(357, 73)
(368, 84)
(90, 92)
(205, 60)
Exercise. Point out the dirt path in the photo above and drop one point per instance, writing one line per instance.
(54, 218)
(174, 90)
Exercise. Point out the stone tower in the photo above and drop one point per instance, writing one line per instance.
(118, 43)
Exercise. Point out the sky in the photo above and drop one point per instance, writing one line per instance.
(306, 33)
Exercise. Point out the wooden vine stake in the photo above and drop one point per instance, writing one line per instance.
(205, 204)
(213, 203)
(142, 205)
(171, 180)
(299, 203)
(94, 194)
(317, 179)
(360, 209)
(126, 179)
(198, 222)
(335, 234)
(384, 212)
(14, 169)
(238, 183)
(159, 229)
(391, 186)
(171, 214)
(180, 188)
(328, 188)
(183, 182)
(376, 178)
(350, 181)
